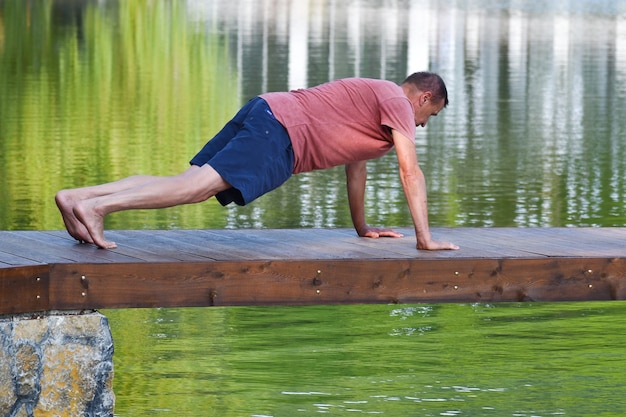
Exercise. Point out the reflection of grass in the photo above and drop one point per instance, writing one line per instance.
(139, 91)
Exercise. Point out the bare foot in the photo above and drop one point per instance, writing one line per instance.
(94, 223)
(65, 202)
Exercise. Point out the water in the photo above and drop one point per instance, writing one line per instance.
(93, 91)
(428, 360)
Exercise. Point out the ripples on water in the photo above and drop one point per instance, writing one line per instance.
(423, 360)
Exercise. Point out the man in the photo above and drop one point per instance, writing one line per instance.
(275, 135)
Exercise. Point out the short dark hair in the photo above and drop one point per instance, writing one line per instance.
(429, 81)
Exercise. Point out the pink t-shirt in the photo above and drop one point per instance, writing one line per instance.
(342, 121)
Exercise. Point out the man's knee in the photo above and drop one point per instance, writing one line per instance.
(202, 182)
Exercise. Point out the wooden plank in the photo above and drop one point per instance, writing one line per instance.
(390, 248)
(597, 241)
(19, 244)
(264, 267)
(48, 248)
(502, 242)
(196, 245)
(334, 281)
(190, 243)
(220, 247)
(9, 260)
(311, 244)
(24, 289)
(570, 242)
(158, 246)
(266, 245)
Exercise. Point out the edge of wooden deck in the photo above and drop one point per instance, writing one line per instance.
(525, 271)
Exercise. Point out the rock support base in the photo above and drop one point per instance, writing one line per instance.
(56, 364)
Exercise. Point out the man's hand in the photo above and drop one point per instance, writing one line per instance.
(376, 232)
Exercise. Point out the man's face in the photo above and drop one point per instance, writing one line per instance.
(425, 107)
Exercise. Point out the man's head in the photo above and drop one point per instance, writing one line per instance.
(428, 94)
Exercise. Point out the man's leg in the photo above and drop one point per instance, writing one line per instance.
(194, 185)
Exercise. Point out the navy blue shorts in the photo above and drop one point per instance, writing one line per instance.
(252, 152)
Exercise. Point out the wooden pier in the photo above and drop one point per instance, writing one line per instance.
(47, 270)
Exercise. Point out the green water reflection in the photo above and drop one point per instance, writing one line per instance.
(92, 91)
(427, 360)
(534, 136)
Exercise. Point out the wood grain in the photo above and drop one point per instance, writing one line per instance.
(47, 270)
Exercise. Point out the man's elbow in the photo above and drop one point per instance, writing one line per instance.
(411, 176)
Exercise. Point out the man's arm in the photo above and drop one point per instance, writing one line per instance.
(356, 177)
(414, 185)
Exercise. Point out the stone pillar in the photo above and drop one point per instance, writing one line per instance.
(56, 364)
